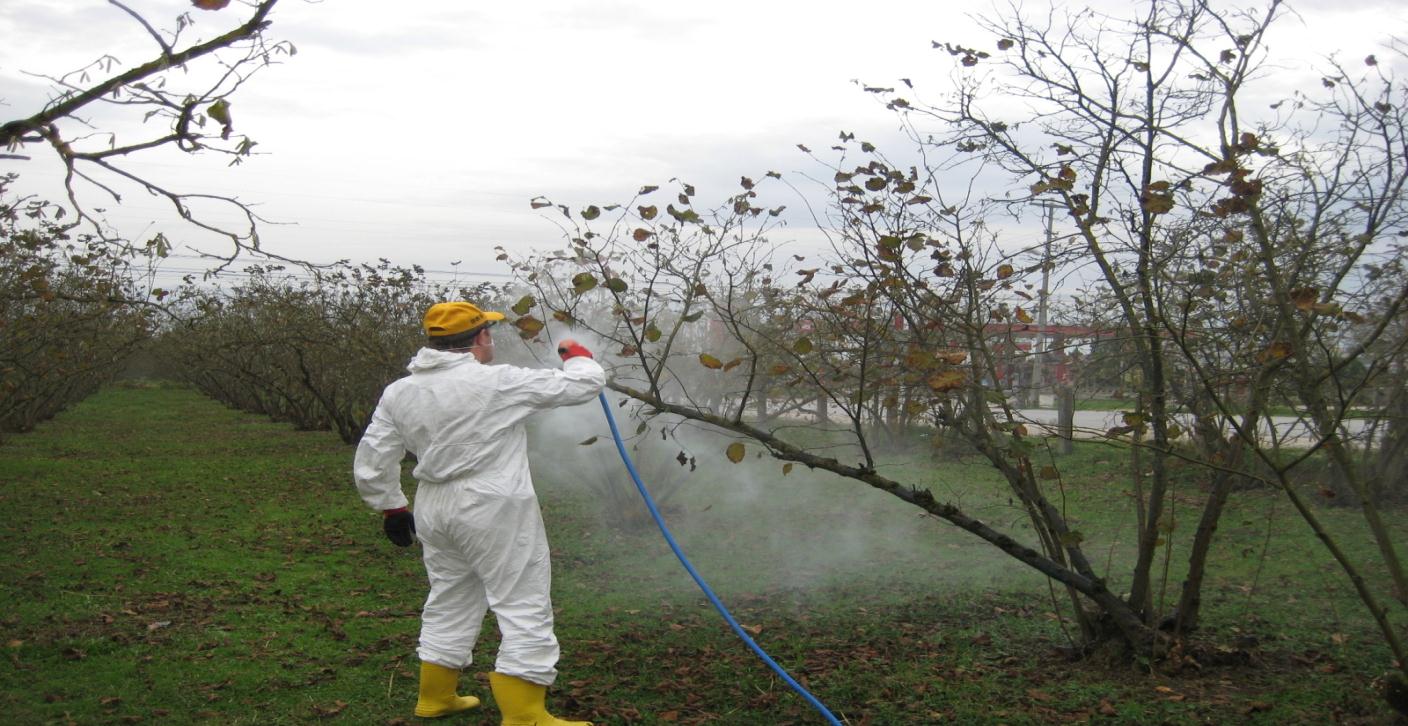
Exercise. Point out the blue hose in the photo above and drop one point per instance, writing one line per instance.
(718, 605)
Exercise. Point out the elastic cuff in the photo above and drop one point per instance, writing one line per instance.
(398, 510)
(574, 351)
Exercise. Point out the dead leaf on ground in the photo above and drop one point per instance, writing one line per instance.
(331, 710)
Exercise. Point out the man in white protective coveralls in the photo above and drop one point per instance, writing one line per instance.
(476, 513)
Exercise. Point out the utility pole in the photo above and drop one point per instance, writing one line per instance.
(1048, 217)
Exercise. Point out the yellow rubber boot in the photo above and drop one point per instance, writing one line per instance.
(437, 692)
(521, 703)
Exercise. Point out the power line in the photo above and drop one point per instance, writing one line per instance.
(423, 271)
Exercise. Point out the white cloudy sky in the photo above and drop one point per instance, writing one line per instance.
(419, 131)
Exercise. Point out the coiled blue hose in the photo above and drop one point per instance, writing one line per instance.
(718, 605)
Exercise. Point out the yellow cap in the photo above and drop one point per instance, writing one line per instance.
(450, 318)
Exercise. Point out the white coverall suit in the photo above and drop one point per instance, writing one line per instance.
(476, 512)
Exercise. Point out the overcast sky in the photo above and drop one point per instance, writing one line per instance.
(420, 133)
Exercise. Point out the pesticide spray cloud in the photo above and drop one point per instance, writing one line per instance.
(755, 526)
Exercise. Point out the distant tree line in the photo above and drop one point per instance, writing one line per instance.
(313, 352)
(67, 318)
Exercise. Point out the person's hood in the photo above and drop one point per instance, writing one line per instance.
(429, 359)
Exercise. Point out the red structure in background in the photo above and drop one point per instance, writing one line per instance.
(1056, 363)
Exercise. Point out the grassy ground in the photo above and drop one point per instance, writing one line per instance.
(172, 561)
(1105, 404)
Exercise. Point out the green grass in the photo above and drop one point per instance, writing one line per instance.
(1105, 404)
(172, 561)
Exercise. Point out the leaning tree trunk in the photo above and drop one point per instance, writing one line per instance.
(1390, 462)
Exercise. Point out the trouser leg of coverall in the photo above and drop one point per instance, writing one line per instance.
(517, 575)
(454, 610)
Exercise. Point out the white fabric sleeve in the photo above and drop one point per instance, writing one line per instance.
(377, 467)
(579, 381)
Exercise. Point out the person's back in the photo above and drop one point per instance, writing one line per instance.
(462, 418)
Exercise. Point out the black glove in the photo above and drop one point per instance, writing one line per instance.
(400, 526)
